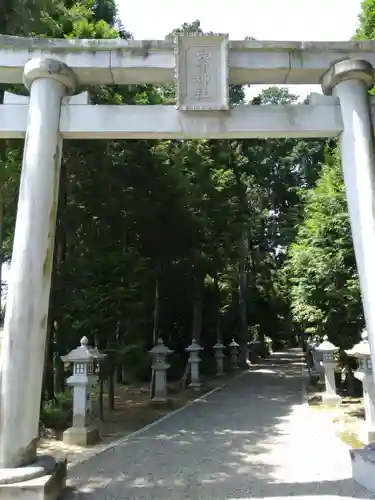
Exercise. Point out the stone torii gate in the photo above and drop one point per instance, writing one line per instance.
(203, 67)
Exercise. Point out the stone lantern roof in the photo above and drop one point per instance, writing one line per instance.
(362, 349)
(83, 353)
(218, 345)
(194, 347)
(160, 348)
(326, 345)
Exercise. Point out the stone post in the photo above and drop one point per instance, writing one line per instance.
(309, 357)
(83, 431)
(219, 356)
(159, 368)
(361, 352)
(329, 364)
(194, 349)
(233, 349)
(23, 348)
(349, 80)
(304, 339)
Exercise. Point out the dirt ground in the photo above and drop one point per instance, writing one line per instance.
(348, 418)
(133, 410)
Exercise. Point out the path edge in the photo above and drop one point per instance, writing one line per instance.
(158, 421)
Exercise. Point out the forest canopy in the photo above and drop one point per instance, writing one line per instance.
(187, 239)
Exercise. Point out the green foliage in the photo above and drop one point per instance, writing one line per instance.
(366, 28)
(209, 221)
(325, 294)
(137, 362)
(324, 291)
(57, 414)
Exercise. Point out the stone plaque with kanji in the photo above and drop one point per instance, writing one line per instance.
(202, 72)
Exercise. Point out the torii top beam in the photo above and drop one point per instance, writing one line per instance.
(143, 61)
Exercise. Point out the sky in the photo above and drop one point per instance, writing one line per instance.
(307, 20)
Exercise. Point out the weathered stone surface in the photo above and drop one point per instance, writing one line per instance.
(82, 121)
(152, 61)
(25, 323)
(82, 436)
(194, 360)
(363, 467)
(83, 431)
(159, 388)
(49, 485)
(202, 73)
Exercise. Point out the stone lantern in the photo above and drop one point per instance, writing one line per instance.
(361, 352)
(83, 431)
(268, 343)
(317, 368)
(219, 356)
(233, 349)
(328, 362)
(194, 349)
(159, 367)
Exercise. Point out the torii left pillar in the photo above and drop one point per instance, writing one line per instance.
(22, 475)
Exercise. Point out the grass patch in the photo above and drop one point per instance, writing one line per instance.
(351, 439)
(346, 417)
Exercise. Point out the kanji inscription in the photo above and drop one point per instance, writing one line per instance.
(202, 73)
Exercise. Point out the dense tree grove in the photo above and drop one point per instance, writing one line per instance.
(180, 239)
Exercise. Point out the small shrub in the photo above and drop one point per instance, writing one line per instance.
(65, 400)
(57, 414)
(208, 365)
(177, 363)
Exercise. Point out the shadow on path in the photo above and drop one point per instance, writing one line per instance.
(251, 439)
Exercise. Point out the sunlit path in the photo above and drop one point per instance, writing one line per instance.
(254, 438)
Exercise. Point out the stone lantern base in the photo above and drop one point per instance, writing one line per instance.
(366, 434)
(44, 480)
(195, 386)
(363, 466)
(81, 436)
(331, 399)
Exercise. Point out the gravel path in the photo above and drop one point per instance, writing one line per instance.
(252, 439)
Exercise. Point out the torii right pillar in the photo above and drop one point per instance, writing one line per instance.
(349, 81)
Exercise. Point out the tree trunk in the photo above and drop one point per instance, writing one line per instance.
(59, 373)
(242, 289)
(58, 256)
(48, 391)
(119, 373)
(219, 336)
(197, 311)
(197, 324)
(111, 387)
(155, 331)
(101, 397)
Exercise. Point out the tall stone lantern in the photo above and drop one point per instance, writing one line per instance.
(328, 362)
(159, 367)
(83, 432)
(233, 349)
(219, 356)
(361, 352)
(194, 359)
